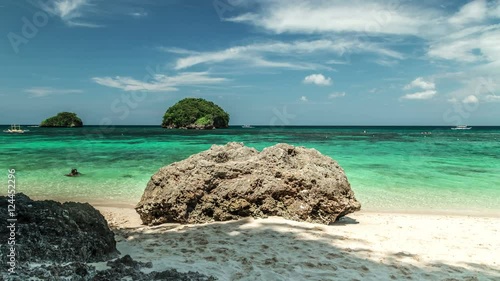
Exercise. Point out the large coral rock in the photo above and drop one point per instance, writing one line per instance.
(233, 181)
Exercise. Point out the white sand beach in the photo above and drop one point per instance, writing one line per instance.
(362, 246)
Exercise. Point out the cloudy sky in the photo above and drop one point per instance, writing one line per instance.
(267, 62)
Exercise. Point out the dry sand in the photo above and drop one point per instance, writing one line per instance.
(362, 246)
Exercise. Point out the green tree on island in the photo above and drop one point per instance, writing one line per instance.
(195, 113)
(63, 119)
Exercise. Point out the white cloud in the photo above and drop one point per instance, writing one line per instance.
(494, 9)
(140, 14)
(70, 11)
(470, 34)
(304, 99)
(259, 54)
(419, 82)
(427, 87)
(474, 44)
(336, 95)
(327, 16)
(179, 51)
(492, 98)
(481, 88)
(83, 24)
(47, 91)
(337, 62)
(473, 11)
(470, 99)
(318, 79)
(160, 82)
(386, 62)
(76, 13)
(424, 95)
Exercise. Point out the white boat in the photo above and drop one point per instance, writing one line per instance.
(461, 127)
(247, 127)
(15, 130)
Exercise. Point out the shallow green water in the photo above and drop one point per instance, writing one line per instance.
(390, 168)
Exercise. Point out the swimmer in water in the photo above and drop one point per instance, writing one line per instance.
(74, 173)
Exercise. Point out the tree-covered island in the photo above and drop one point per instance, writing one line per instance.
(195, 113)
(63, 119)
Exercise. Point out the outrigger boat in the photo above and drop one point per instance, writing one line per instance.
(15, 130)
(461, 127)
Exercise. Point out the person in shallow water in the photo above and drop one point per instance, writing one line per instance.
(74, 173)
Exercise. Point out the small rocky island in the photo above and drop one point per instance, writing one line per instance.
(235, 181)
(195, 113)
(63, 119)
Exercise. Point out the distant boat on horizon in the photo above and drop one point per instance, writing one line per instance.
(461, 127)
(15, 129)
(247, 127)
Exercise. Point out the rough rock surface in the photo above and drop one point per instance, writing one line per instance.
(55, 241)
(51, 231)
(233, 181)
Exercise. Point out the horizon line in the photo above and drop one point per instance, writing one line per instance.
(240, 125)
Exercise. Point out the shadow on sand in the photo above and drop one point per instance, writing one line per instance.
(268, 250)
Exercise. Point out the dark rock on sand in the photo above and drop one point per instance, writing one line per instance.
(73, 271)
(127, 267)
(121, 268)
(233, 181)
(55, 241)
(48, 231)
(128, 261)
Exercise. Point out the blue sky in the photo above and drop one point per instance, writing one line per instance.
(267, 62)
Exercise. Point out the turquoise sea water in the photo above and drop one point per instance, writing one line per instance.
(390, 168)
